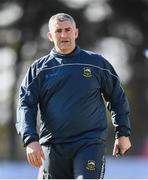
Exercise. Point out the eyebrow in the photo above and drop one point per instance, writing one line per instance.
(68, 28)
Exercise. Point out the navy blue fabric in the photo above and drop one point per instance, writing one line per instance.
(77, 160)
(89, 163)
(70, 91)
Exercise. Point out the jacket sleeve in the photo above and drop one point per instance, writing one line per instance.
(116, 99)
(27, 107)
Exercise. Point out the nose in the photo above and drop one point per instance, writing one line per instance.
(63, 34)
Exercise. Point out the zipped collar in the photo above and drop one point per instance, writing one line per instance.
(73, 53)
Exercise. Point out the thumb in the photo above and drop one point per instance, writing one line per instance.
(115, 150)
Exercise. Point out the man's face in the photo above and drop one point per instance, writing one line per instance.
(63, 34)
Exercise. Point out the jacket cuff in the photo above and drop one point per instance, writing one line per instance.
(122, 131)
(29, 140)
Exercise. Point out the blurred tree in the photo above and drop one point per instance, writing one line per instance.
(26, 35)
(131, 21)
(30, 44)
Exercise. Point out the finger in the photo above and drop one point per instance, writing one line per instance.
(118, 153)
(42, 154)
(38, 161)
(39, 157)
(30, 159)
(124, 151)
(115, 150)
(34, 160)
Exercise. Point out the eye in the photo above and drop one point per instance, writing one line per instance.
(58, 31)
(68, 29)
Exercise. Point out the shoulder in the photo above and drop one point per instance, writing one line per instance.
(42, 60)
(99, 62)
(39, 64)
(89, 53)
(95, 58)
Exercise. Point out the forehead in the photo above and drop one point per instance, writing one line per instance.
(62, 24)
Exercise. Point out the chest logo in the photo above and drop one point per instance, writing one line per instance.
(87, 72)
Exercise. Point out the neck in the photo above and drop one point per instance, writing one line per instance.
(72, 53)
(65, 52)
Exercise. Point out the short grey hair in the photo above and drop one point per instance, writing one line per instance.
(61, 17)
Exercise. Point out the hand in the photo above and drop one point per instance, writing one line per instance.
(121, 146)
(35, 154)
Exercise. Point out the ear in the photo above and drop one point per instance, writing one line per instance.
(76, 33)
(49, 36)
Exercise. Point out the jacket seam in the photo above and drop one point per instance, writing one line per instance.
(79, 64)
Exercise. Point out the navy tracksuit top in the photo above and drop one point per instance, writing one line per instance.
(70, 91)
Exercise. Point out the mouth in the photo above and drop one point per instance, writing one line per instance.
(65, 41)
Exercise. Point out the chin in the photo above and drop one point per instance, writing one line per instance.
(65, 51)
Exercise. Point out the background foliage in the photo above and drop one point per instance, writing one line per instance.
(115, 28)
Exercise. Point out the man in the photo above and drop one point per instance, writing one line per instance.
(70, 85)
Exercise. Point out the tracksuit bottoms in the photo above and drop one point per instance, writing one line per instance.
(77, 160)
